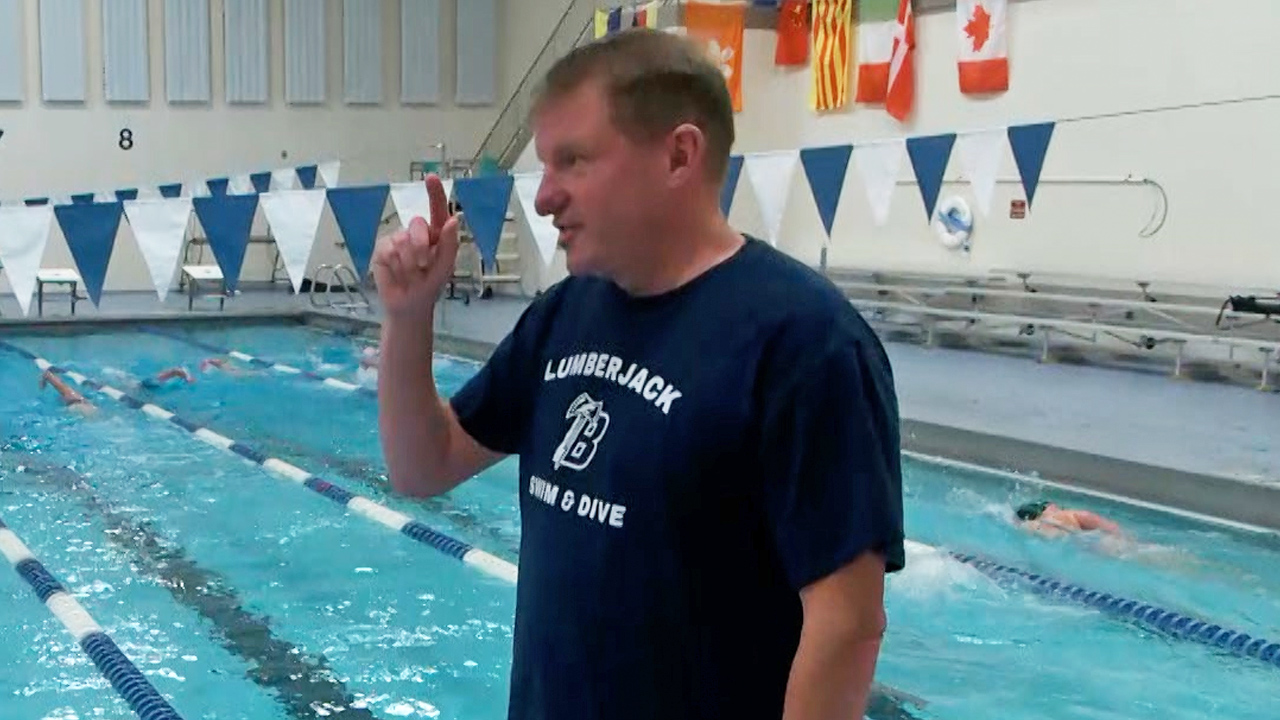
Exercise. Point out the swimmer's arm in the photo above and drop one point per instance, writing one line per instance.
(427, 450)
(844, 621)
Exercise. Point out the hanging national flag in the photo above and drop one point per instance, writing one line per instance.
(877, 20)
(608, 21)
(720, 27)
(645, 15)
(902, 69)
(832, 40)
(984, 46)
(793, 33)
(611, 21)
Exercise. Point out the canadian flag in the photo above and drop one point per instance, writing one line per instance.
(984, 45)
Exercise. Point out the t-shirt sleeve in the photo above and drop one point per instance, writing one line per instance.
(495, 405)
(831, 449)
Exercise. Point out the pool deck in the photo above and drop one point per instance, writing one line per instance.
(1209, 448)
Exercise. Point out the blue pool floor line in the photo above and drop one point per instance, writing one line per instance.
(1166, 622)
(397, 521)
(115, 666)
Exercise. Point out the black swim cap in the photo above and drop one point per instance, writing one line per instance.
(1032, 510)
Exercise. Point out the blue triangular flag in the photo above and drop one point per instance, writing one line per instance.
(358, 211)
(826, 167)
(1030, 143)
(730, 184)
(82, 198)
(484, 202)
(36, 201)
(127, 194)
(90, 230)
(227, 220)
(929, 156)
(307, 175)
(218, 186)
(171, 190)
(261, 181)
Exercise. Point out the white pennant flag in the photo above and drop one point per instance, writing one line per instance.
(879, 164)
(195, 189)
(24, 232)
(294, 217)
(544, 231)
(148, 193)
(241, 185)
(160, 227)
(770, 175)
(59, 199)
(284, 179)
(328, 172)
(411, 201)
(979, 154)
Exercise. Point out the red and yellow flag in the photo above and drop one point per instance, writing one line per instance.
(720, 27)
(832, 49)
(793, 33)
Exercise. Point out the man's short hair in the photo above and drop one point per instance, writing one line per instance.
(654, 81)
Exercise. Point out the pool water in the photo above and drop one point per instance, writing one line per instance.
(241, 594)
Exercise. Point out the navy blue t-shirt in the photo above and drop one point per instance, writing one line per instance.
(688, 462)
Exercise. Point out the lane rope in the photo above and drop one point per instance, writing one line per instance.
(129, 682)
(1166, 622)
(262, 363)
(397, 521)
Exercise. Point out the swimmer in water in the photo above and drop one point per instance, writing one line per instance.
(74, 401)
(367, 373)
(1051, 520)
(152, 383)
(226, 366)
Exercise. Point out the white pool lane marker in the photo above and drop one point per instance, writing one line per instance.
(115, 666)
(397, 521)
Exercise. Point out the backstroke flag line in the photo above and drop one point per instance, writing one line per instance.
(294, 217)
(543, 227)
(160, 229)
(24, 232)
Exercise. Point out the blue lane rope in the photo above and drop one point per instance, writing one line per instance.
(397, 521)
(263, 363)
(1167, 622)
(128, 682)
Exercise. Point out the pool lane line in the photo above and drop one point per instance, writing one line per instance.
(1076, 490)
(1166, 622)
(129, 682)
(300, 683)
(397, 521)
(264, 364)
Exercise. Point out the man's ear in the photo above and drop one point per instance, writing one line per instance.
(686, 155)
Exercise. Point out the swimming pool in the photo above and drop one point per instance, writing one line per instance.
(238, 593)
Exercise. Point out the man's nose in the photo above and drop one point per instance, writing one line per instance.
(550, 198)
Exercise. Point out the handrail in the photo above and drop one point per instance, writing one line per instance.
(528, 73)
(504, 120)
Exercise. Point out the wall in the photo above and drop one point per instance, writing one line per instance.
(1076, 59)
(51, 149)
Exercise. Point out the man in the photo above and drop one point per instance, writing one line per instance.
(707, 432)
(1052, 520)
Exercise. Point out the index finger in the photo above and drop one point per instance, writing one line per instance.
(439, 204)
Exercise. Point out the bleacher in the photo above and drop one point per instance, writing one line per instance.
(1073, 318)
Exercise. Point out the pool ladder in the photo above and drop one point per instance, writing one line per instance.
(340, 275)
